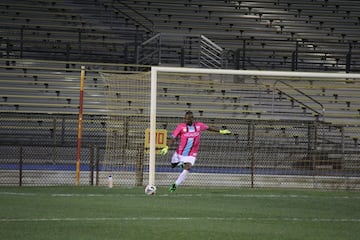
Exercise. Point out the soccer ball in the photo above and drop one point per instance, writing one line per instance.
(150, 189)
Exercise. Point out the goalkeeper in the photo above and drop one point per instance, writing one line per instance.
(185, 155)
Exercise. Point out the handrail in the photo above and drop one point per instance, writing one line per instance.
(157, 50)
(220, 49)
(150, 39)
(139, 13)
(302, 93)
(211, 54)
(133, 19)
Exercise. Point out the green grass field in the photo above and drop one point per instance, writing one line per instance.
(100, 213)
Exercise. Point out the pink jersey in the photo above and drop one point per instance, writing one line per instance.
(189, 138)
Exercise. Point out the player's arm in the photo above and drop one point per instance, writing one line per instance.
(171, 141)
(221, 131)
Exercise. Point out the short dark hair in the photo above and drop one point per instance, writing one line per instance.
(189, 113)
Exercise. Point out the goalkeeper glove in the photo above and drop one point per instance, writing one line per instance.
(164, 151)
(224, 131)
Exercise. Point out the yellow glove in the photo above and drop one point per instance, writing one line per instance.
(164, 151)
(224, 131)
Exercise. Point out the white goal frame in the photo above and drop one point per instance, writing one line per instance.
(153, 97)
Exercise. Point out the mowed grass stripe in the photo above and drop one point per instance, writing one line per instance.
(94, 213)
(294, 219)
(290, 196)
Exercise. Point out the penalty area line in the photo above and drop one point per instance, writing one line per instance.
(224, 195)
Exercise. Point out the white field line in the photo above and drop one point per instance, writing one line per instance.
(17, 194)
(266, 196)
(292, 196)
(215, 219)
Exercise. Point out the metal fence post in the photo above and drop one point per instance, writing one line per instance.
(97, 165)
(252, 151)
(92, 149)
(20, 165)
(140, 165)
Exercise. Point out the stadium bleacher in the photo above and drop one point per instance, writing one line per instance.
(44, 44)
(59, 30)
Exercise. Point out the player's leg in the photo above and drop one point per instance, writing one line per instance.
(183, 174)
(176, 161)
(188, 163)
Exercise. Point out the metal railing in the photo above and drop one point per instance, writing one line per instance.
(211, 54)
(180, 49)
(320, 113)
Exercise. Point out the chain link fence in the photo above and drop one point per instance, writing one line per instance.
(39, 128)
(40, 149)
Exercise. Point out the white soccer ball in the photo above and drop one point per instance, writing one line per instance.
(150, 189)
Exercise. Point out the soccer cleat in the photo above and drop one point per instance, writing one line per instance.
(172, 188)
(179, 164)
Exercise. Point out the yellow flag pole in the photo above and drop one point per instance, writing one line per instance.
(81, 99)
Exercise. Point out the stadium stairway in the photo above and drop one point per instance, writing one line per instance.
(268, 34)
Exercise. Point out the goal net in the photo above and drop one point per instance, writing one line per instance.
(127, 106)
(282, 131)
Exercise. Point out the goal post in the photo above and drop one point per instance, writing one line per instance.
(254, 74)
(153, 103)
